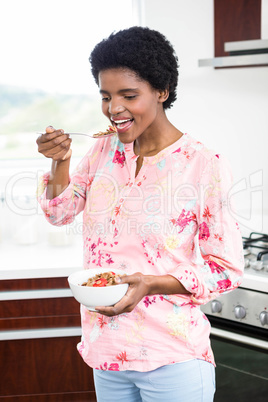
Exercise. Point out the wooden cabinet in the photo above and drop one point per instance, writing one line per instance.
(237, 35)
(41, 364)
(235, 20)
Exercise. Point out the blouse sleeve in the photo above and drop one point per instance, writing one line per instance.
(219, 238)
(62, 209)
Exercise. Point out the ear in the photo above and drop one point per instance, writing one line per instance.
(163, 95)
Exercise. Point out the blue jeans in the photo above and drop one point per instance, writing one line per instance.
(191, 381)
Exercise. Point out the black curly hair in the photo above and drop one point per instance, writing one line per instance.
(146, 52)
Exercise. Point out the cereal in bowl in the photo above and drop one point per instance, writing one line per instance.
(103, 279)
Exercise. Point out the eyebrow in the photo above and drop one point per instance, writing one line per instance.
(102, 91)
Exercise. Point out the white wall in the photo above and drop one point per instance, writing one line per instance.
(226, 109)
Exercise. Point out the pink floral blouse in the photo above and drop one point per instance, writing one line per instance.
(173, 218)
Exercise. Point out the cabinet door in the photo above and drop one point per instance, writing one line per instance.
(237, 20)
(44, 370)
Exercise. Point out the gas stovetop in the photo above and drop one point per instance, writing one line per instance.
(248, 304)
(256, 262)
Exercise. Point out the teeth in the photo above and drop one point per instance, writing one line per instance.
(120, 121)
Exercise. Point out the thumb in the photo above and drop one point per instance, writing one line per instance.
(67, 155)
(50, 129)
(122, 278)
(118, 280)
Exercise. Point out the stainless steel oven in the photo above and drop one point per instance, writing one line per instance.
(239, 330)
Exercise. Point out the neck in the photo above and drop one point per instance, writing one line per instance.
(157, 138)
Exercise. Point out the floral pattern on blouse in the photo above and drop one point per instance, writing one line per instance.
(173, 218)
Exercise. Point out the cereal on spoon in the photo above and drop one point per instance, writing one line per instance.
(110, 130)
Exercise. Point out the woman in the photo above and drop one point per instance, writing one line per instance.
(149, 195)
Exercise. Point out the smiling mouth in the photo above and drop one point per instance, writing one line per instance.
(122, 124)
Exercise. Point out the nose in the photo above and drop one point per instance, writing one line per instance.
(115, 106)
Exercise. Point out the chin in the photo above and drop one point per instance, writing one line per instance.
(125, 139)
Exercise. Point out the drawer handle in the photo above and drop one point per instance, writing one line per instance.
(40, 333)
(239, 338)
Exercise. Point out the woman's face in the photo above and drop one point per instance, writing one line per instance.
(130, 103)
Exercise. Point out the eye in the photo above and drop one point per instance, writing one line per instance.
(105, 98)
(129, 97)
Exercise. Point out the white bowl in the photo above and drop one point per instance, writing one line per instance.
(91, 296)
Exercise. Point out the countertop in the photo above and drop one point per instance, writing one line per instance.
(39, 260)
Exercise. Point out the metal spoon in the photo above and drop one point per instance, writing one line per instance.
(93, 135)
(88, 135)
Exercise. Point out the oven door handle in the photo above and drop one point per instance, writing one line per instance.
(239, 338)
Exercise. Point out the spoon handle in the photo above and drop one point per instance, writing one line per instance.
(87, 135)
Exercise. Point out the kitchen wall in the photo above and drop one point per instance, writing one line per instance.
(226, 109)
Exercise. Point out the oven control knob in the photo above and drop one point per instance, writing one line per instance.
(257, 265)
(263, 317)
(216, 306)
(240, 312)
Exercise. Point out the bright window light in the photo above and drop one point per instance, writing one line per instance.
(45, 74)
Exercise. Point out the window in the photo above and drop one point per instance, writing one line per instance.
(45, 74)
(46, 79)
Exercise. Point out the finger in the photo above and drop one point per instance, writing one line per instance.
(108, 311)
(60, 139)
(124, 305)
(127, 279)
(43, 138)
(121, 279)
(55, 134)
(63, 155)
(67, 155)
(57, 153)
(50, 129)
(55, 144)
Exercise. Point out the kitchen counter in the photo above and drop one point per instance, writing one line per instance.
(255, 280)
(39, 260)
